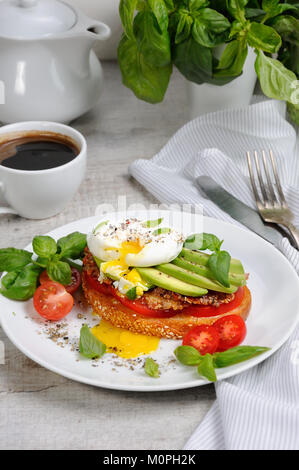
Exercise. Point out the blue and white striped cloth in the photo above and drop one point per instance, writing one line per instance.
(258, 409)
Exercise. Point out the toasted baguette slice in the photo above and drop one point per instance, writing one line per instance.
(110, 309)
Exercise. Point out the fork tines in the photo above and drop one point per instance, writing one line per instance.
(267, 188)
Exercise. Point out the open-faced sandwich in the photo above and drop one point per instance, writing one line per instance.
(144, 277)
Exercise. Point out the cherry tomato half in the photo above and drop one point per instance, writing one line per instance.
(70, 288)
(232, 331)
(204, 338)
(136, 305)
(52, 301)
(208, 311)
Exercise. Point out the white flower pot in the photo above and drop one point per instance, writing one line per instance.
(207, 98)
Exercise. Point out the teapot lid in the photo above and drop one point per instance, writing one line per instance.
(30, 19)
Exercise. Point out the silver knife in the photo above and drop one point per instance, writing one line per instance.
(237, 209)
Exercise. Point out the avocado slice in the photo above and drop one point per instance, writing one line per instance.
(198, 257)
(156, 277)
(195, 279)
(235, 279)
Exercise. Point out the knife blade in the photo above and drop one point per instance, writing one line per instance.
(237, 209)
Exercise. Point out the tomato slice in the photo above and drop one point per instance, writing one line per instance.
(204, 338)
(208, 311)
(232, 331)
(52, 301)
(136, 305)
(70, 288)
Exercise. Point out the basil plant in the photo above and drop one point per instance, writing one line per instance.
(161, 33)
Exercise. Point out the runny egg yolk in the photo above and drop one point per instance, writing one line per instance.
(119, 266)
(124, 343)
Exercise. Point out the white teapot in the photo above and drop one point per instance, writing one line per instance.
(48, 70)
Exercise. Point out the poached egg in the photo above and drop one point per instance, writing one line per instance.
(120, 248)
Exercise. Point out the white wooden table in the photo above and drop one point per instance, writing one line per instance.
(41, 410)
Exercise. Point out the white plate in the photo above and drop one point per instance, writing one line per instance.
(275, 311)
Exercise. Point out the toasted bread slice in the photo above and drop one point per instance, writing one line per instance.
(110, 309)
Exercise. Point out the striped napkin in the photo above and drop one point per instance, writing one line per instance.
(258, 409)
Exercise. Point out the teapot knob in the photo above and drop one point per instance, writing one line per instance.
(27, 3)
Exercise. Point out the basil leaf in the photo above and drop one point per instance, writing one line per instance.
(126, 12)
(131, 294)
(153, 44)
(169, 4)
(188, 355)
(160, 11)
(206, 368)
(41, 261)
(232, 60)
(151, 368)
(210, 28)
(194, 61)
(274, 8)
(12, 259)
(24, 284)
(237, 9)
(238, 354)
(263, 37)
(59, 271)
(72, 245)
(202, 241)
(288, 28)
(161, 230)
(44, 246)
(219, 264)
(294, 112)
(184, 27)
(152, 223)
(148, 82)
(195, 5)
(89, 345)
(9, 279)
(276, 80)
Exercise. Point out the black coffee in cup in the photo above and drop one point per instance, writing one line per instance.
(36, 150)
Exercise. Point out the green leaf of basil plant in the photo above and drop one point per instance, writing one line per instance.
(210, 28)
(21, 285)
(72, 245)
(151, 368)
(206, 368)
(194, 61)
(232, 60)
(203, 241)
(189, 356)
(263, 37)
(183, 30)
(12, 259)
(294, 112)
(89, 345)
(126, 12)
(276, 80)
(219, 264)
(160, 11)
(44, 246)
(275, 8)
(59, 271)
(237, 9)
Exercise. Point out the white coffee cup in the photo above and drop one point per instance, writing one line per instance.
(42, 193)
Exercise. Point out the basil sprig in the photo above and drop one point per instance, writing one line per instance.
(206, 364)
(23, 271)
(219, 261)
(161, 33)
(89, 346)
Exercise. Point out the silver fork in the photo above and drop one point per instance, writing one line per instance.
(270, 201)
